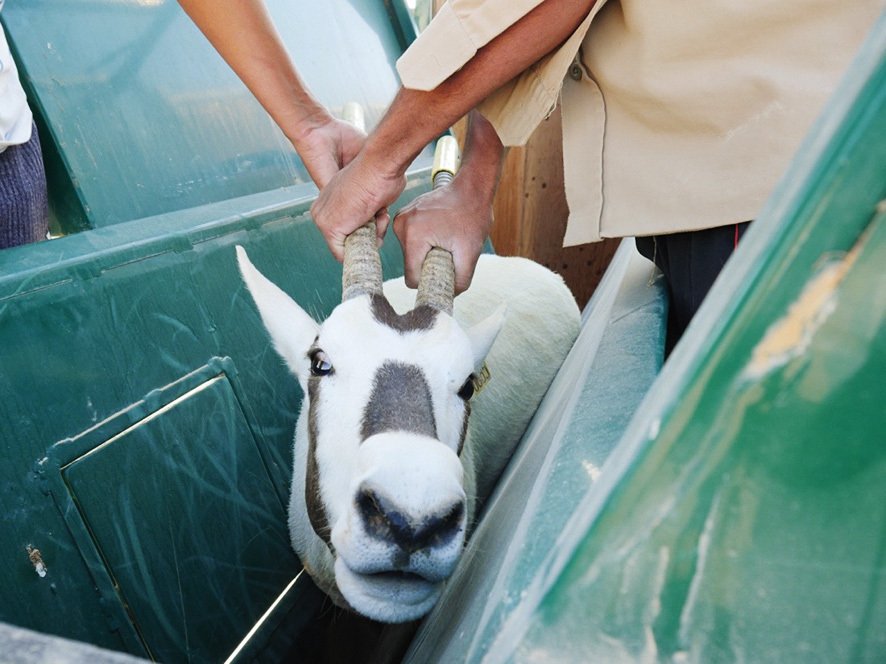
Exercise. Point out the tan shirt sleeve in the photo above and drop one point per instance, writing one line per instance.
(452, 38)
(516, 108)
(455, 34)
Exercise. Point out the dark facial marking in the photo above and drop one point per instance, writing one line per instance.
(400, 401)
(313, 501)
(464, 428)
(420, 318)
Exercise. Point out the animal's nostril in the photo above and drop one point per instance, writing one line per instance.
(380, 518)
(384, 520)
(438, 530)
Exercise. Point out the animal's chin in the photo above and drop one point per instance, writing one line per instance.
(391, 597)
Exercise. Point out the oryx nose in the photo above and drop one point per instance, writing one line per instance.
(384, 520)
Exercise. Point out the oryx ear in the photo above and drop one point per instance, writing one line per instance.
(291, 329)
(482, 335)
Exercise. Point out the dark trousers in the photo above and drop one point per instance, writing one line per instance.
(690, 262)
(24, 211)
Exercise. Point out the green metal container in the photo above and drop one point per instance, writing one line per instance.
(147, 423)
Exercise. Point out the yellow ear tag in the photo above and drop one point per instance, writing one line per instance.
(480, 379)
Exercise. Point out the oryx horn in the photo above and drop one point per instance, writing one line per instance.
(436, 285)
(361, 272)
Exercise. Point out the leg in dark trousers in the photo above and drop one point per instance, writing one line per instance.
(24, 211)
(690, 262)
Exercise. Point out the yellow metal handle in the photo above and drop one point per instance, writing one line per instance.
(437, 283)
(447, 158)
(352, 112)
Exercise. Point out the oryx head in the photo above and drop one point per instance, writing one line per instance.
(387, 402)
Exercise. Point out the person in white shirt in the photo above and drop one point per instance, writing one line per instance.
(24, 209)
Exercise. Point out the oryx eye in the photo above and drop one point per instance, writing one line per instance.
(320, 364)
(466, 391)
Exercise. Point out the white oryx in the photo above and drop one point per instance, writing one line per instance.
(387, 470)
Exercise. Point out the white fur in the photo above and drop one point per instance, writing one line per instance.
(421, 475)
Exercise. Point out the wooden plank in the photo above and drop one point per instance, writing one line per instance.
(531, 212)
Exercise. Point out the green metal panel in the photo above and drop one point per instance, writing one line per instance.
(185, 479)
(614, 361)
(142, 117)
(742, 515)
(146, 422)
(98, 332)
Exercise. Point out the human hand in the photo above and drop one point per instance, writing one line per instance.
(357, 193)
(327, 146)
(455, 217)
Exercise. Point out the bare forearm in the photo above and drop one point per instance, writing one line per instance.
(375, 177)
(243, 34)
(456, 217)
(416, 117)
(483, 156)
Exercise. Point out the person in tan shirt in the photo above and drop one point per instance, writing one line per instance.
(243, 34)
(678, 118)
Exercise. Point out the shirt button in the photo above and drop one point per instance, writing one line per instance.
(575, 71)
